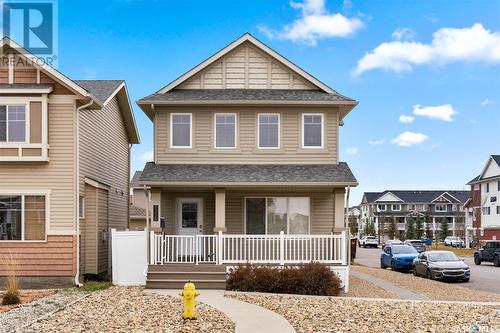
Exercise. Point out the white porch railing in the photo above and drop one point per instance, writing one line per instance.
(259, 249)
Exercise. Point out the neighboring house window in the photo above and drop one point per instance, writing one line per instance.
(181, 130)
(411, 207)
(381, 208)
(498, 185)
(396, 207)
(12, 123)
(225, 130)
(486, 210)
(441, 207)
(272, 215)
(81, 207)
(498, 209)
(312, 130)
(22, 217)
(269, 131)
(487, 187)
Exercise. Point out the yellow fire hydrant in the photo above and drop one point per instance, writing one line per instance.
(189, 293)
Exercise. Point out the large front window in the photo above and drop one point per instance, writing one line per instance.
(12, 123)
(269, 131)
(272, 215)
(22, 217)
(180, 130)
(225, 130)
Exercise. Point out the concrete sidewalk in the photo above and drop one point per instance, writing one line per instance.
(247, 317)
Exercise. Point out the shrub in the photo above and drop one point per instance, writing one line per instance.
(308, 279)
(11, 295)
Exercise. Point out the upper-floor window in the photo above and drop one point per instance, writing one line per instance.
(225, 130)
(486, 210)
(411, 207)
(487, 187)
(181, 127)
(312, 130)
(441, 207)
(12, 123)
(498, 209)
(381, 207)
(269, 131)
(498, 185)
(396, 207)
(22, 217)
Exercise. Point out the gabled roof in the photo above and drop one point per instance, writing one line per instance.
(496, 158)
(480, 177)
(419, 196)
(103, 90)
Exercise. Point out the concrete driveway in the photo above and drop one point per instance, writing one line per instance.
(483, 277)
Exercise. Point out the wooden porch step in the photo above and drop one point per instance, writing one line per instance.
(179, 284)
(174, 276)
(187, 268)
(186, 276)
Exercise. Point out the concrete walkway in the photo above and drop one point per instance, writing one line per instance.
(247, 317)
(402, 292)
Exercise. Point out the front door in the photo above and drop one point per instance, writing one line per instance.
(190, 216)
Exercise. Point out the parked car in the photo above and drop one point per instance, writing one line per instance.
(398, 257)
(458, 242)
(448, 241)
(417, 244)
(441, 265)
(392, 241)
(489, 252)
(368, 241)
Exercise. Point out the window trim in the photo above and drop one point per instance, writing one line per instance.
(322, 146)
(396, 210)
(440, 210)
(381, 210)
(235, 129)
(258, 129)
(265, 225)
(190, 130)
(46, 194)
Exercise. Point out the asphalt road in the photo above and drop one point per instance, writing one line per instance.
(484, 277)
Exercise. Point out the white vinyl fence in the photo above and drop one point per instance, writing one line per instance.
(129, 257)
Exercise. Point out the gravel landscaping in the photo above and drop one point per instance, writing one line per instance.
(27, 296)
(434, 290)
(130, 309)
(331, 314)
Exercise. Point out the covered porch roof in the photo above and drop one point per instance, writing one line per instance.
(228, 175)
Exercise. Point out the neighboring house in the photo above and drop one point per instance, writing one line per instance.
(138, 203)
(402, 205)
(484, 206)
(355, 213)
(64, 168)
(246, 144)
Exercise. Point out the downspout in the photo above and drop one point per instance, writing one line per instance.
(77, 185)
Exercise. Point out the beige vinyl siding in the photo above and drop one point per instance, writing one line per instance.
(321, 209)
(57, 175)
(246, 67)
(35, 122)
(203, 150)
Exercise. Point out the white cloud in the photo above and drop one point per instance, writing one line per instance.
(352, 151)
(314, 23)
(487, 101)
(441, 112)
(407, 139)
(470, 44)
(404, 34)
(406, 119)
(376, 142)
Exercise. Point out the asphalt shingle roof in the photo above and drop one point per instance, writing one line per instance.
(137, 211)
(135, 179)
(101, 89)
(244, 94)
(496, 158)
(248, 173)
(422, 196)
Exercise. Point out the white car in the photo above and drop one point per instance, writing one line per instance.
(453, 241)
(368, 241)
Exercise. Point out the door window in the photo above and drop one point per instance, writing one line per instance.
(189, 215)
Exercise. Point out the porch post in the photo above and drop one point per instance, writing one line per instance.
(339, 208)
(220, 210)
(453, 226)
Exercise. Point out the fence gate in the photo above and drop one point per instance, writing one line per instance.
(129, 257)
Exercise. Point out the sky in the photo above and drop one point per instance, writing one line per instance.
(426, 73)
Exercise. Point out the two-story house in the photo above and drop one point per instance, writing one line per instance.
(246, 144)
(64, 168)
(431, 206)
(484, 206)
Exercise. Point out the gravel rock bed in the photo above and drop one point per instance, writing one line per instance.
(330, 314)
(361, 288)
(130, 309)
(26, 313)
(435, 290)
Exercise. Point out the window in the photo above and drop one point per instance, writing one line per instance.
(22, 217)
(12, 123)
(312, 130)
(272, 215)
(225, 130)
(81, 207)
(396, 207)
(180, 130)
(441, 207)
(498, 186)
(486, 210)
(381, 208)
(411, 207)
(487, 187)
(498, 209)
(155, 213)
(269, 131)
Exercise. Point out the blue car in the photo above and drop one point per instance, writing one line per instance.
(398, 257)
